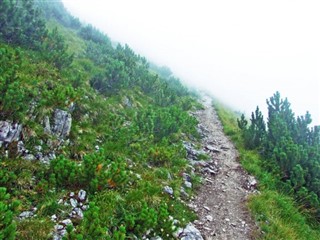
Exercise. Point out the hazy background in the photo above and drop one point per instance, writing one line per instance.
(240, 51)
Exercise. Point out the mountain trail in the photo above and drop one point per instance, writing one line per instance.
(220, 202)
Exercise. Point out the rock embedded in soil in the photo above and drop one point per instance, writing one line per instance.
(190, 232)
(62, 123)
(9, 132)
(168, 190)
(212, 149)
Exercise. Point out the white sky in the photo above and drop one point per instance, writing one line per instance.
(241, 51)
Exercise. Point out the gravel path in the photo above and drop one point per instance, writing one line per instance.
(221, 201)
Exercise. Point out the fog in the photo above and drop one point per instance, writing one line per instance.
(240, 51)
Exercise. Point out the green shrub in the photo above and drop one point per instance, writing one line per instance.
(66, 172)
(7, 207)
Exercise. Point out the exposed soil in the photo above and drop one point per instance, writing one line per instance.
(220, 203)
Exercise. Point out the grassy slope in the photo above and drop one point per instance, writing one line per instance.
(277, 214)
(156, 164)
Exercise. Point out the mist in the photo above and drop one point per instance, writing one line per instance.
(240, 51)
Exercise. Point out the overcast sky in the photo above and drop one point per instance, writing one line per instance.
(241, 51)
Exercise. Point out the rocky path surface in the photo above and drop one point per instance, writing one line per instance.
(221, 201)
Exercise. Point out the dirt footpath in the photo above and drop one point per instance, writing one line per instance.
(220, 202)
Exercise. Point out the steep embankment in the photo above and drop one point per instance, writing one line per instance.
(221, 201)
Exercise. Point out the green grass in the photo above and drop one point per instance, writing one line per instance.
(75, 44)
(277, 215)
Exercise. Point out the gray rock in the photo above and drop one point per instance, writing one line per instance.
(26, 214)
(201, 163)
(188, 184)
(58, 227)
(39, 156)
(47, 128)
(168, 190)
(190, 233)
(186, 177)
(209, 218)
(20, 147)
(62, 123)
(251, 182)
(202, 130)
(85, 207)
(29, 157)
(192, 153)
(209, 170)
(82, 195)
(206, 208)
(73, 202)
(59, 232)
(225, 148)
(79, 213)
(45, 160)
(10, 132)
(38, 148)
(4, 130)
(212, 149)
(66, 222)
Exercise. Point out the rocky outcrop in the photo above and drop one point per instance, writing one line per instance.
(9, 132)
(62, 124)
(58, 133)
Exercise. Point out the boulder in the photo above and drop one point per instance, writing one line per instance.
(47, 128)
(190, 232)
(168, 190)
(82, 195)
(73, 202)
(187, 184)
(9, 132)
(62, 123)
(26, 214)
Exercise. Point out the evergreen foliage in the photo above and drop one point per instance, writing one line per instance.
(290, 146)
(281, 214)
(21, 23)
(7, 225)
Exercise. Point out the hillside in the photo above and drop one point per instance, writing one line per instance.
(96, 142)
(91, 137)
